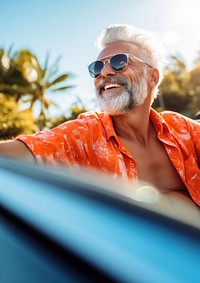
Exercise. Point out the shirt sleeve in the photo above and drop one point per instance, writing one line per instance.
(64, 144)
(194, 127)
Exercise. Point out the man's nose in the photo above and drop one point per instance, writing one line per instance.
(107, 70)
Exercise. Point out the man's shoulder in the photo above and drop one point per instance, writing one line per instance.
(169, 113)
(179, 121)
(172, 117)
(86, 120)
(94, 118)
(90, 115)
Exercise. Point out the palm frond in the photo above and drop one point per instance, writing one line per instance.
(59, 79)
(54, 104)
(62, 88)
(10, 49)
(53, 69)
(46, 63)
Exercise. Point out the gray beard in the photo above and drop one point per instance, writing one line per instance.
(120, 104)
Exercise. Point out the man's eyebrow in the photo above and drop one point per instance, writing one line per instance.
(105, 57)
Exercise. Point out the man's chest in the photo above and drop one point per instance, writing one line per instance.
(154, 166)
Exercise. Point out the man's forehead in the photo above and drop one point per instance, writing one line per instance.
(118, 47)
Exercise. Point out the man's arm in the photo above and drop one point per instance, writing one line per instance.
(16, 149)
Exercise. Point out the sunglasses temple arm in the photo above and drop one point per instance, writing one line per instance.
(142, 61)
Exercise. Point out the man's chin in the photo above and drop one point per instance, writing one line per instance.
(113, 111)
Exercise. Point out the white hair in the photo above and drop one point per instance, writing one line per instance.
(151, 48)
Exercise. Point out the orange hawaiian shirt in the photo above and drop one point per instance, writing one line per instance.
(90, 140)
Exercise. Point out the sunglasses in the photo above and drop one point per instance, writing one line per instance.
(117, 62)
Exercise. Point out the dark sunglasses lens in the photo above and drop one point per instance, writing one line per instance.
(95, 69)
(119, 62)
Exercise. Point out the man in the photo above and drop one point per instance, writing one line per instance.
(128, 139)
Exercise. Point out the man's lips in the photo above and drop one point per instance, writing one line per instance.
(108, 86)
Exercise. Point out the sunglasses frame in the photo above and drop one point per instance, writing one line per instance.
(108, 60)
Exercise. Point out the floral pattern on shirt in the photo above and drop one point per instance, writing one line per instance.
(91, 141)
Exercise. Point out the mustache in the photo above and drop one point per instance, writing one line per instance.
(115, 79)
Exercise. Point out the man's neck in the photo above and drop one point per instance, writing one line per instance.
(134, 125)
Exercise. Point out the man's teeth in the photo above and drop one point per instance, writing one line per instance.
(111, 86)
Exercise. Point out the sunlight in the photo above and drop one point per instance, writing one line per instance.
(30, 74)
(170, 37)
(187, 13)
(5, 61)
(180, 34)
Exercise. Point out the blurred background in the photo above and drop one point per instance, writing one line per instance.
(46, 46)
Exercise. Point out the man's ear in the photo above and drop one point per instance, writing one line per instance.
(154, 77)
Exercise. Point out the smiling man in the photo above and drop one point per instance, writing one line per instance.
(128, 139)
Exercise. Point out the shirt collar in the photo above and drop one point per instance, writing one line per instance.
(159, 123)
(156, 118)
(108, 125)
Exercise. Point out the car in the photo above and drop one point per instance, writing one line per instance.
(58, 226)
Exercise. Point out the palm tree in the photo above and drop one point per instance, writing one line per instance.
(22, 77)
(42, 80)
(12, 82)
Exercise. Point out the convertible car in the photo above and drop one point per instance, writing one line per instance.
(63, 227)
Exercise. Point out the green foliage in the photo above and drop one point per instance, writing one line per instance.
(180, 89)
(12, 82)
(76, 109)
(42, 80)
(14, 121)
(194, 83)
(23, 77)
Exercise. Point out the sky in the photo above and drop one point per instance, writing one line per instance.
(70, 29)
